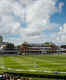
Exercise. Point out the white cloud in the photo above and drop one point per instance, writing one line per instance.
(38, 13)
(60, 36)
(38, 16)
(61, 4)
(63, 29)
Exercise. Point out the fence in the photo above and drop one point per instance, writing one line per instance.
(9, 51)
(42, 50)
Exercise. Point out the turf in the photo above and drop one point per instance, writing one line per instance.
(45, 79)
(29, 64)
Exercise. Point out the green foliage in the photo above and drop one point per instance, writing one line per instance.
(49, 44)
(1, 38)
(10, 46)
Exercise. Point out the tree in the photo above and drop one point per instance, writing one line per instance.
(9, 48)
(52, 46)
(1, 38)
(47, 44)
(26, 44)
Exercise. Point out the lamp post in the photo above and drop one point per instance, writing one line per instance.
(24, 6)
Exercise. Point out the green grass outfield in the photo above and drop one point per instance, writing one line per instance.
(37, 64)
(45, 79)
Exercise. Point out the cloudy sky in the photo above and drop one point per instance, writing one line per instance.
(33, 21)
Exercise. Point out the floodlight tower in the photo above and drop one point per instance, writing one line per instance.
(24, 5)
(25, 15)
